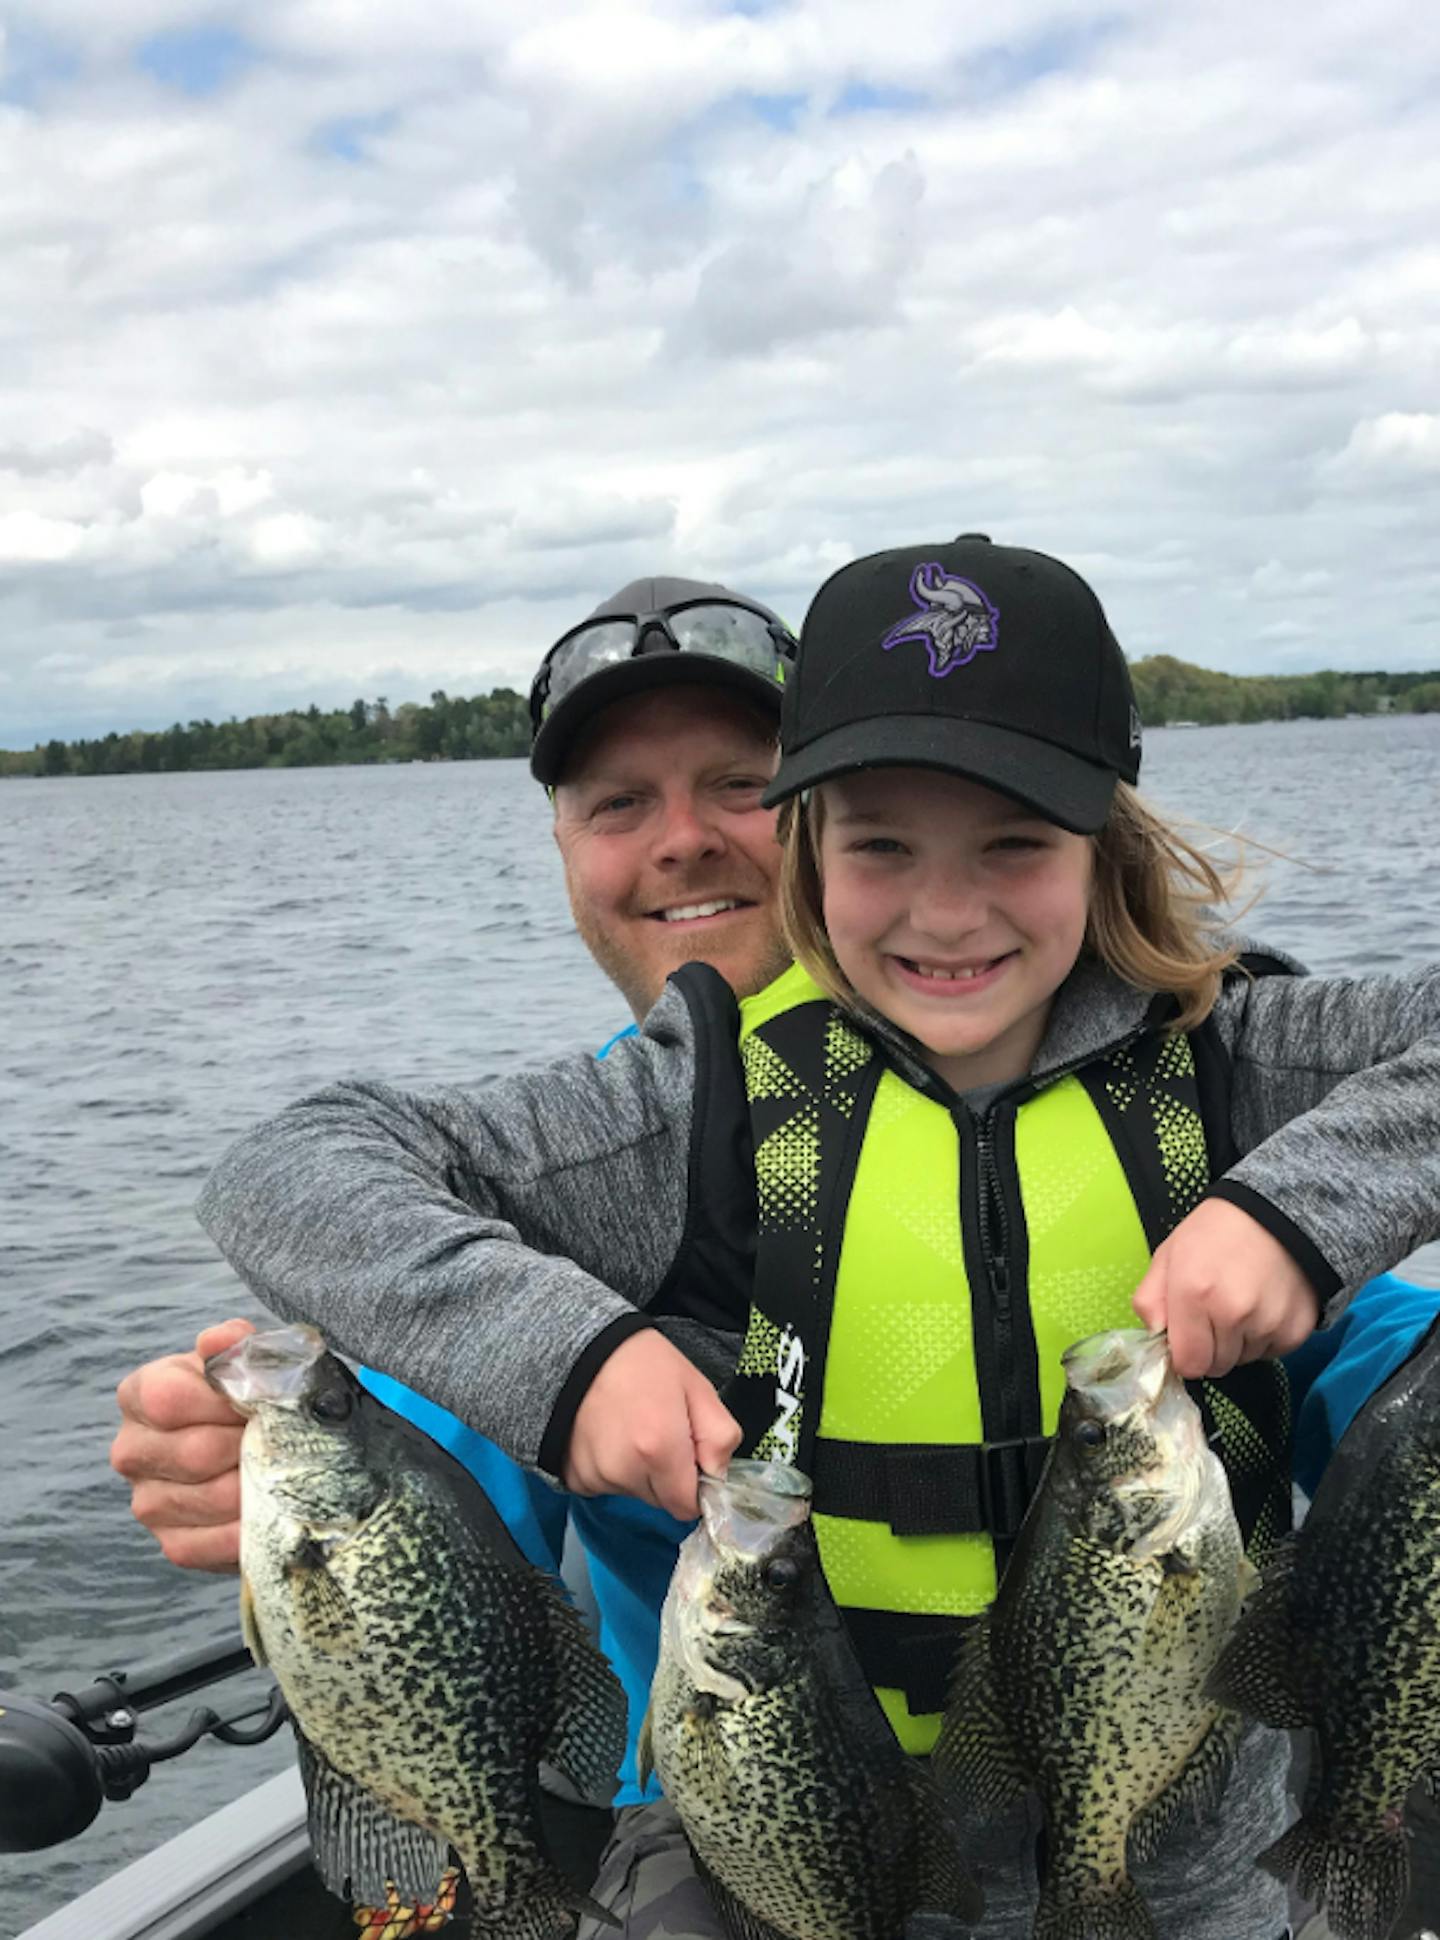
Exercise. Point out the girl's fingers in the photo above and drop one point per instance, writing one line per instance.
(714, 1431)
(1149, 1298)
(1192, 1339)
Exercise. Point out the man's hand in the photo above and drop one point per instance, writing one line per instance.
(648, 1422)
(179, 1449)
(1225, 1292)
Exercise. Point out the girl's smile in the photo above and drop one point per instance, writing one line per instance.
(953, 910)
(946, 980)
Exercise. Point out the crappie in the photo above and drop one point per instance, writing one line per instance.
(807, 1819)
(1085, 1680)
(428, 1667)
(1344, 1635)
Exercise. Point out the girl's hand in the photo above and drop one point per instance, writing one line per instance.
(649, 1422)
(1225, 1292)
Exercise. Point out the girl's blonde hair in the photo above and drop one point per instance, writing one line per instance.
(1151, 918)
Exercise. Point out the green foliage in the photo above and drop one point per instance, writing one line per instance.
(1167, 689)
(485, 727)
(494, 725)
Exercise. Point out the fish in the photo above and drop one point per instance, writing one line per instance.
(428, 1667)
(1343, 1636)
(1084, 1683)
(806, 1818)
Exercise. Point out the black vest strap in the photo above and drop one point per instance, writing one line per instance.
(713, 1273)
(906, 1653)
(811, 1078)
(922, 1489)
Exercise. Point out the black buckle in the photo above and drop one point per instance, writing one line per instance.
(1009, 1476)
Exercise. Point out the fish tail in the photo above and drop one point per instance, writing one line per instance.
(1360, 1885)
(1119, 1914)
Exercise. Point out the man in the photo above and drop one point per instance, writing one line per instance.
(655, 727)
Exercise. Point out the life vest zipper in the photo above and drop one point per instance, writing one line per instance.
(992, 1228)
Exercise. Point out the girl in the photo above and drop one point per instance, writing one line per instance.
(1012, 1084)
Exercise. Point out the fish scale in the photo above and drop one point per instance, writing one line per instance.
(1344, 1636)
(806, 1818)
(1085, 1682)
(428, 1667)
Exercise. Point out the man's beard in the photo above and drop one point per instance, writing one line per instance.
(640, 981)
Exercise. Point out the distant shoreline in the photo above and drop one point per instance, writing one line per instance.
(496, 726)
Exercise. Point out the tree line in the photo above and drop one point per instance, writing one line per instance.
(481, 728)
(497, 724)
(1167, 690)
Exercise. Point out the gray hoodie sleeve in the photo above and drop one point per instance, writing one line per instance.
(479, 1244)
(1335, 1109)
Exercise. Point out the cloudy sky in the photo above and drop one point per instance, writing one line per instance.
(349, 348)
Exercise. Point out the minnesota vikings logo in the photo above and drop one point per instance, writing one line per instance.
(955, 620)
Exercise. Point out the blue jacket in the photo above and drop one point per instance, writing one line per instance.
(1337, 1370)
(629, 1546)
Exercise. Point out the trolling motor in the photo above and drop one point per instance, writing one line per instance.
(60, 1761)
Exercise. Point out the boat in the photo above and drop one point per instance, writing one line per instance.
(243, 1872)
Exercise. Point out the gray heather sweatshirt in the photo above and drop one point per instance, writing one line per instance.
(481, 1243)
(476, 1242)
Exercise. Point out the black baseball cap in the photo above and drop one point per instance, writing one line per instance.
(981, 660)
(654, 633)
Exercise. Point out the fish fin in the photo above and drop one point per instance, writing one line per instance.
(1359, 1888)
(360, 1846)
(250, 1625)
(645, 1746)
(976, 1753)
(591, 1726)
(736, 1918)
(1197, 1788)
(945, 1884)
(1257, 1672)
(1121, 1914)
(324, 1615)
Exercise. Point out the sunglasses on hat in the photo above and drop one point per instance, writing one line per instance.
(717, 629)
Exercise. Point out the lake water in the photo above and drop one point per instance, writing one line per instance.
(180, 954)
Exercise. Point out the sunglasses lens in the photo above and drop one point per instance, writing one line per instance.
(730, 633)
(586, 652)
(724, 632)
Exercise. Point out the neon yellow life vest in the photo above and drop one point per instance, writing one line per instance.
(918, 1276)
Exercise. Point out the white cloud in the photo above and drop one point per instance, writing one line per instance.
(1400, 444)
(382, 353)
(27, 537)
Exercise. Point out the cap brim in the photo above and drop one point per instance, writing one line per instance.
(551, 746)
(1060, 785)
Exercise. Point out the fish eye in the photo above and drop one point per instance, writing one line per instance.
(781, 1572)
(331, 1404)
(1090, 1434)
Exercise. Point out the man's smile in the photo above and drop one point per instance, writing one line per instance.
(700, 912)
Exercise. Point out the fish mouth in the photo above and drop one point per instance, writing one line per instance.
(1125, 1378)
(1119, 1371)
(748, 1509)
(273, 1368)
